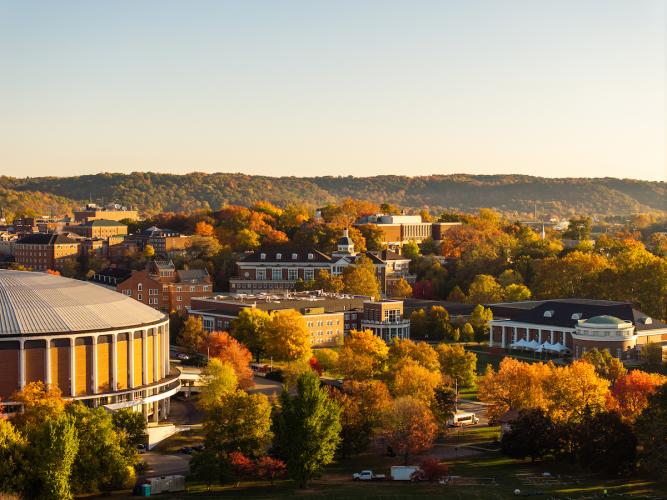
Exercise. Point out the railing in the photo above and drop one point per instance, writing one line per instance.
(399, 322)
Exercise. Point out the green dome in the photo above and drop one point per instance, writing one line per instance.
(605, 320)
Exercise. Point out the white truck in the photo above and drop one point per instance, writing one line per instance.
(367, 475)
(463, 418)
(403, 472)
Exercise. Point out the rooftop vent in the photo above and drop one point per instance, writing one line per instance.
(576, 316)
(311, 256)
(262, 256)
(646, 320)
(549, 313)
(294, 256)
(279, 256)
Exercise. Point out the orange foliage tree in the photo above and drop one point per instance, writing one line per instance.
(223, 346)
(631, 392)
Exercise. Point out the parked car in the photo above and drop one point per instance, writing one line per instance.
(367, 475)
(463, 418)
(183, 357)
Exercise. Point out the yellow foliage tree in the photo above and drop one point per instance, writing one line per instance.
(413, 379)
(363, 355)
(287, 336)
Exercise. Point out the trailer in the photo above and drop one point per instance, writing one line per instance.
(403, 472)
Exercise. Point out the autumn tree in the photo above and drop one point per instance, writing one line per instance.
(409, 427)
(328, 283)
(327, 358)
(204, 229)
(287, 336)
(250, 329)
(574, 390)
(13, 448)
(485, 290)
(218, 380)
(39, 402)
(652, 432)
(457, 364)
(307, 429)
(430, 469)
(229, 350)
(633, 390)
(270, 469)
(360, 278)
(515, 293)
(419, 352)
(413, 379)
(437, 323)
(479, 319)
(606, 365)
(457, 295)
(363, 356)
(149, 251)
(443, 405)
(401, 289)
(192, 335)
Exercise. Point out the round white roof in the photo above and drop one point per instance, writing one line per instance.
(37, 303)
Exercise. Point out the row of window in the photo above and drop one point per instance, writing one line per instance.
(330, 322)
(279, 256)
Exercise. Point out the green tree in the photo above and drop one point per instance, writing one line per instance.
(606, 444)
(457, 295)
(360, 278)
(250, 329)
(132, 426)
(652, 433)
(516, 293)
(510, 277)
(485, 290)
(437, 323)
(605, 364)
(578, 229)
(101, 463)
(443, 405)
(13, 448)
(219, 379)
(327, 358)
(53, 449)
(192, 335)
(327, 282)
(532, 434)
(651, 353)
(457, 364)
(307, 429)
(479, 319)
(430, 247)
(411, 250)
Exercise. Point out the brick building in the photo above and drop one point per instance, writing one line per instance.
(42, 251)
(385, 319)
(99, 228)
(163, 241)
(114, 212)
(400, 229)
(164, 288)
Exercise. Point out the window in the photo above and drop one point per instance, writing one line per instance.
(261, 274)
(549, 313)
(262, 256)
(179, 299)
(311, 256)
(279, 256)
(192, 288)
(140, 287)
(140, 296)
(207, 323)
(276, 274)
(308, 274)
(292, 274)
(179, 288)
(128, 293)
(294, 256)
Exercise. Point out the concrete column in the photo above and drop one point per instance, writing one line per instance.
(47, 362)
(21, 364)
(156, 412)
(514, 334)
(144, 410)
(72, 365)
(491, 336)
(503, 342)
(165, 334)
(94, 380)
(130, 354)
(551, 336)
(156, 355)
(114, 361)
(144, 357)
(539, 335)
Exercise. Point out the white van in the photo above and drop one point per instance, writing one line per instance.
(462, 418)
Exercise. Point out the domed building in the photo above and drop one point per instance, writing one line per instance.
(94, 344)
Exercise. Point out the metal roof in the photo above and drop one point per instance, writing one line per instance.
(38, 303)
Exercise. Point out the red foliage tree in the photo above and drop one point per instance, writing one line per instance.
(270, 468)
(242, 467)
(430, 469)
(315, 365)
(225, 347)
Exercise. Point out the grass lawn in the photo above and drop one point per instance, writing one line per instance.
(473, 434)
(175, 442)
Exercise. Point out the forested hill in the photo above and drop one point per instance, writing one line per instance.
(511, 194)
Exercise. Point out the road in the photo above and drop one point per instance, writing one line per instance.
(159, 464)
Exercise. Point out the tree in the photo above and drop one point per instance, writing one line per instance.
(411, 250)
(360, 278)
(575, 390)
(579, 228)
(241, 466)
(412, 379)
(457, 364)
(287, 336)
(53, 448)
(363, 355)
(479, 319)
(363, 405)
(409, 427)
(219, 379)
(652, 433)
(229, 350)
(437, 323)
(239, 422)
(430, 247)
(651, 353)
(430, 469)
(13, 448)
(39, 404)
(532, 434)
(606, 444)
(443, 405)
(510, 277)
(327, 359)
(149, 251)
(468, 333)
(203, 228)
(192, 335)
(269, 468)
(250, 328)
(516, 293)
(373, 235)
(246, 240)
(131, 425)
(633, 390)
(327, 282)
(203, 247)
(485, 290)
(307, 429)
(401, 289)
(101, 462)
(606, 365)
(419, 352)
(457, 295)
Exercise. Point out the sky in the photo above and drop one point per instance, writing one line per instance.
(573, 88)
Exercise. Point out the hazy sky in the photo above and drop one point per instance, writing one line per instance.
(554, 88)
